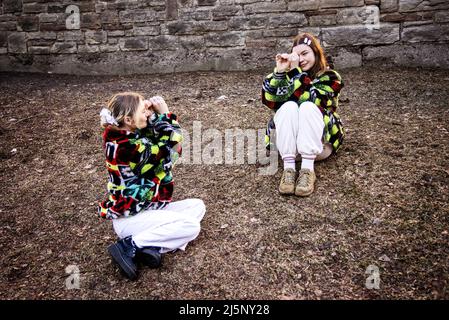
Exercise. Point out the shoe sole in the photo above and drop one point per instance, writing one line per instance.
(304, 194)
(117, 256)
(286, 193)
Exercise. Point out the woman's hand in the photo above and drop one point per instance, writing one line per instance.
(285, 61)
(294, 60)
(282, 62)
(158, 104)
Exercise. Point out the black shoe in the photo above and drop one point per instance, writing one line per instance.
(123, 253)
(149, 256)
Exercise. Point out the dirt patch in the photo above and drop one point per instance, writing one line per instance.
(382, 201)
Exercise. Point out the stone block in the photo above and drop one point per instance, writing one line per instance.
(3, 39)
(39, 49)
(420, 5)
(224, 39)
(88, 49)
(303, 5)
(133, 16)
(407, 17)
(50, 17)
(90, 21)
(12, 6)
(53, 26)
(258, 21)
(40, 42)
(426, 33)
(116, 33)
(147, 31)
(221, 12)
(28, 23)
(283, 45)
(101, 6)
(341, 3)
(191, 42)
(8, 26)
(95, 37)
(34, 8)
(408, 55)
(17, 42)
(163, 43)
(109, 47)
(186, 28)
(8, 18)
(277, 20)
(323, 20)
(343, 36)
(41, 35)
(389, 6)
(441, 16)
(54, 7)
(172, 9)
(64, 47)
(345, 57)
(265, 7)
(133, 44)
(110, 17)
(206, 2)
(280, 32)
(247, 1)
(368, 15)
(194, 14)
(261, 44)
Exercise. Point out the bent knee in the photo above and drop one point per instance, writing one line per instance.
(289, 106)
(193, 227)
(308, 107)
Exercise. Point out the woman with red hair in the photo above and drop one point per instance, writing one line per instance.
(303, 91)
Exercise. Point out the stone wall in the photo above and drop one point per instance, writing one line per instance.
(160, 36)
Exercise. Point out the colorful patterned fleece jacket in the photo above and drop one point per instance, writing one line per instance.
(139, 166)
(296, 85)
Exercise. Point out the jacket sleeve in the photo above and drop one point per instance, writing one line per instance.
(159, 147)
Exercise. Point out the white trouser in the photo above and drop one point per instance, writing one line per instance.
(300, 130)
(170, 228)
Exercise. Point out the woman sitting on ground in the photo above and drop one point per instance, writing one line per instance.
(142, 141)
(303, 91)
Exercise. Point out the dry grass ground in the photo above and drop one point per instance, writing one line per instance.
(383, 200)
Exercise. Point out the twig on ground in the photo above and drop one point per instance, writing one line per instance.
(15, 122)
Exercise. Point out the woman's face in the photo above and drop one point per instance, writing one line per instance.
(141, 115)
(306, 56)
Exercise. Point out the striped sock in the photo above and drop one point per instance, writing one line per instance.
(289, 162)
(307, 163)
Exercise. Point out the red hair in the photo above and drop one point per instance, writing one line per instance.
(320, 60)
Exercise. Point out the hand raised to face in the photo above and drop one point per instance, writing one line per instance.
(158, 104)
(286, 61)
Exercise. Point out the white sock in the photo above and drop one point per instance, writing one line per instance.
(307, 163)
(289, 162)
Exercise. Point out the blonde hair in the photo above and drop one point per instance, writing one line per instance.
(123, 105)
(320, 60)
